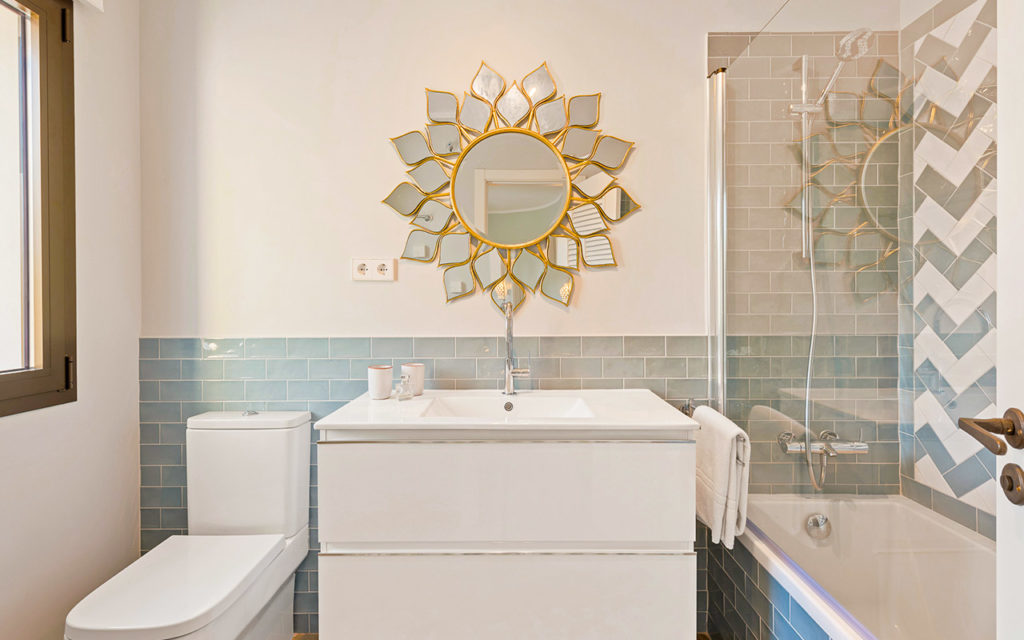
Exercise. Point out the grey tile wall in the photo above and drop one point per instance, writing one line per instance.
(747, 603)
(182, 377)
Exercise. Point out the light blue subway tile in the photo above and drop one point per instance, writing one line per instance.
(152, 537)
(559, 346)
(159, 412)
(245, 369)
(150, 517)
(602, 346)
(181, 390)
(601, 383)
(346, 390)
(321, 408)
(329, 369)
(245, 405)
(454, 368)
(309, 390)
(289, 405)
(159, 454)
(266, 347)
(644, 345)
(489, 368)
(223, 348)
(666, 367)
(428, 366)
(308, 348)
(287, 369)
(391, 347)
(172, 476)
(224, 390)
(180, 348)
(657, 385)
(686, 389)
(149, 391)
(149, 348)
(266, 390)
(969, 474)
(202, 369)
(580, 367)
(149, 433)
(434, 347)
(160, 497)
(987, 525)
(476, 347)
(623, 367)
(189, 409)
(174, 518)
(159, 369)
(350, 347)
(360, 365)
(172, 433)
(686, 345)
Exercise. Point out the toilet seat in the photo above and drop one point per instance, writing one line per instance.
(183, 585)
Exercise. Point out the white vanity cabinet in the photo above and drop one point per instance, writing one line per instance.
(437, 527)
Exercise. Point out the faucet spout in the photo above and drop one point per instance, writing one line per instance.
(511, 372)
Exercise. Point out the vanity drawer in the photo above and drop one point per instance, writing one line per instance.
(508, 597)
(466, 492)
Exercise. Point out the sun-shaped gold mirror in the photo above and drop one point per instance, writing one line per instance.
(513, 189)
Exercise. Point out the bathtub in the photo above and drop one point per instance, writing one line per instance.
(890, 569)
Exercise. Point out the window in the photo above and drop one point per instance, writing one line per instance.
(37, 205)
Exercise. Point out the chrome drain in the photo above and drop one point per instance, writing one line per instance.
(818, 526)
(508, 406)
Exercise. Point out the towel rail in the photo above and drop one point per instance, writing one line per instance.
(689, 406)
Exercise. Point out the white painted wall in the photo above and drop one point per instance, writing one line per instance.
(1010, 320)
(266, 155)
(69, 475)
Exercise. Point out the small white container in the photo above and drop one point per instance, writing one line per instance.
(378, 377)
(417, 374)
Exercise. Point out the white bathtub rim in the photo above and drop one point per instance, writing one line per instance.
(833, 619)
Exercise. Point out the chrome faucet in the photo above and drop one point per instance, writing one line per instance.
(511, 373)
(828, 445)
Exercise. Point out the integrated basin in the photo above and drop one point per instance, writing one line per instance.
(616, 414)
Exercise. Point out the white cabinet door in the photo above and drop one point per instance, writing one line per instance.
(482, 492)
(508, 597)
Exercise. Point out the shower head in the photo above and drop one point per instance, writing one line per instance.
(855, 44)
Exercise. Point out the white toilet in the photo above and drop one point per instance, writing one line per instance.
(232, 576)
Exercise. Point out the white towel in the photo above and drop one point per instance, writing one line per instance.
(723, 473)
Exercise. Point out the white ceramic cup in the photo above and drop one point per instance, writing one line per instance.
(417, 373)
(378, 377)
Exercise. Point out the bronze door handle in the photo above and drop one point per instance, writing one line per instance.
(987, 430)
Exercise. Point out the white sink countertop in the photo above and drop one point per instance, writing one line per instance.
(607, 414)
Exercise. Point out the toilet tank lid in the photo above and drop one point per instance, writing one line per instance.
(249, 420)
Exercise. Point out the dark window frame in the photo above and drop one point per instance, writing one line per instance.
(54, 382)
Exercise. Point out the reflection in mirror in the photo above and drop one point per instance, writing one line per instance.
(412, 147)
(441, 106)
(475, 114)
(514, 106)
(508, 290)
(489, 267)
(420, 246)
(579, 143)
(538, 84)
(430, 176)
(551, 116)
(563, 252)
(586, 220)
(444, 139)
(433, 216)
(611, 152)
(557, 285)
(405, 198)
(592, 180)
(584, 110)
(510, 188)
(616, 204)
(597, 251)
(528, 268)
(487, 83)
(455, 248)
(458, 282)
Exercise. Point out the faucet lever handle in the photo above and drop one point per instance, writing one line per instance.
(520, 373)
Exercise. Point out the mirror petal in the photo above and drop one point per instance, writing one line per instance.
(475, 114)
(586, 220)
(557, 285)
(455, 248)
(539, 85)
(487, 84)
(412, 147)
(592, 180)
(445, 139)
(597, 251)
(458, 282)
(563, 252)
(584, 111)
(430, 176)
(611, 152)
(405, 199)
(442, 106)
(551, 117)
(508, 290)
(615, 204)
(420, 246)
(579, 143)
(433, 216)
(514, 106)
(527, 269)
(489, 267)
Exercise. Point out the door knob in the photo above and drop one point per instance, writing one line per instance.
(987, 430)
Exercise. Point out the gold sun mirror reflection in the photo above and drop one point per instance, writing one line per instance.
(512, 189)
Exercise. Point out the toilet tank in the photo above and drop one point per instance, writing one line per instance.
(248, 473)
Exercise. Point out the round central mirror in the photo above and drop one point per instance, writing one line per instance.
(510, 188)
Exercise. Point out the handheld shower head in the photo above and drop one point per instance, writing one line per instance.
(855, 44)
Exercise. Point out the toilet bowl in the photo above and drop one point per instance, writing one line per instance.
(232, 577)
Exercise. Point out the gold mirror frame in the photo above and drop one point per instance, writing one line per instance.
(594, 196)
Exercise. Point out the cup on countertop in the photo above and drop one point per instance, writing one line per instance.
(417, 374)
(379, 377)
